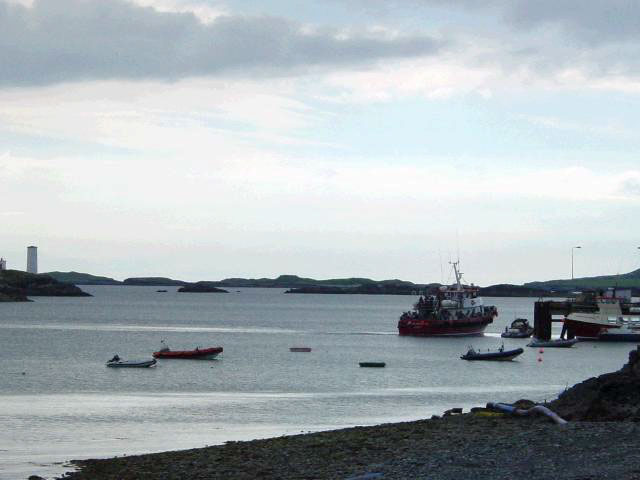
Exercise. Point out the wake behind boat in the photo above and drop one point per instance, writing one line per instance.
(195, 354)
(456, 310)
(501, 355)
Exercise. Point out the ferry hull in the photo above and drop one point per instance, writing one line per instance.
(583, 330)
(443, 329)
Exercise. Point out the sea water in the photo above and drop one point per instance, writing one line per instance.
(59, 402)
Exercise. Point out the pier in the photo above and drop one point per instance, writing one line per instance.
(545, 309)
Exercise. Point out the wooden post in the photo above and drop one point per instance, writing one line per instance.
(542, 320)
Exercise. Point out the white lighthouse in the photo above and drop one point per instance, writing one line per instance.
(32, 259)
(3, 264)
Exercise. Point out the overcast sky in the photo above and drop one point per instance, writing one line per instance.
(205, 139)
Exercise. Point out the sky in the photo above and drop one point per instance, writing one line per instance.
(206, 139)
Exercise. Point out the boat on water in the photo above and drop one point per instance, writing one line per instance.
(501, 355)
(558, 343)
(117, 362)
(455, 310)
(519, 328)
(373, 364)
(195, 354)
(608, 316)
(300, 349)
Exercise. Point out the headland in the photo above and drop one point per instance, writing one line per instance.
(17, 286)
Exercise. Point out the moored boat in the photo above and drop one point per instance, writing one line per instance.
(116, 362)
(300, 349)
(609, 316)
(195, 354)
(455, 310)
(372, 364)
(501, 355)
(519, 328)
(558, 343)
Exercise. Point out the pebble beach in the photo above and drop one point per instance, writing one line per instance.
(492, 447)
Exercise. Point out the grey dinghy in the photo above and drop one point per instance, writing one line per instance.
(559, 343)
(501, 355)
(132, 363)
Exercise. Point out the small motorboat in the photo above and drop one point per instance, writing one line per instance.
(519, 328)
(195, 354)
(300, 349)
(116, 362)
(373, 364)
(501, 355)
(559, 343)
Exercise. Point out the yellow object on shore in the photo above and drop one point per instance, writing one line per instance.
(488, 414)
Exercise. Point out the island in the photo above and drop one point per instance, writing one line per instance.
(78, 278)
(200, 287)
(17, 286)
(153, 282)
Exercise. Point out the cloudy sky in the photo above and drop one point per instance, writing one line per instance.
(204, 139)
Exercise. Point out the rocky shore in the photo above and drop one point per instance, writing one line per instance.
(481, 444)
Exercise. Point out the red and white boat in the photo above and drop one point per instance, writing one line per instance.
(455, 310)
(196, 354)
(606, 320)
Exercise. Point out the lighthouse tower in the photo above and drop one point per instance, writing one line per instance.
(32, 259)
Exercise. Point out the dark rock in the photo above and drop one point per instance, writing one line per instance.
(201, 287)
(153, 282)
(609, 397)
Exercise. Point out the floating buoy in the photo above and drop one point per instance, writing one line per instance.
(541, 350)
(539, 359)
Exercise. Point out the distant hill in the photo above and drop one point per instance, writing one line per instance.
(628, 280)
(508, 290)
(154, 282)
(293, 281)
(78, 278)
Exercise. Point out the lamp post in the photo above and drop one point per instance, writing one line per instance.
(572, 249)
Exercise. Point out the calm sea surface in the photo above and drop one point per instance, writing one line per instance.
(59, 402)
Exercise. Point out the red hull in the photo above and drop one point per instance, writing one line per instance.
(583, 329)
(186, 354)
(432, 328)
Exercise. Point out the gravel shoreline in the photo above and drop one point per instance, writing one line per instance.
(493, 447)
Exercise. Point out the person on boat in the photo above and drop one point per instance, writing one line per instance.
(501, 349)
(115, 358)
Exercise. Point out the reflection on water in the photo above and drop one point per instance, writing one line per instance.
(60, 402)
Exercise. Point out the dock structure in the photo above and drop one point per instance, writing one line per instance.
(543, 313)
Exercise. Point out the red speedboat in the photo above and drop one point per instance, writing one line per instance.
(197, 354)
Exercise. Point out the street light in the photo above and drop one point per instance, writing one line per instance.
(572, 249)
